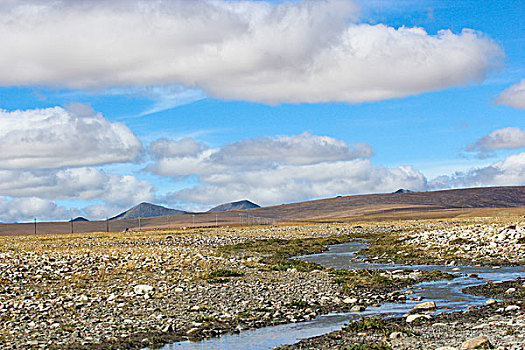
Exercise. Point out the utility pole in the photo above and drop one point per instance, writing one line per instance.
(107, 224)
(140, 227)
(71, 225)
(193, 216)
(35, 226)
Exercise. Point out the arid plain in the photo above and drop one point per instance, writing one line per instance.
(136, 289)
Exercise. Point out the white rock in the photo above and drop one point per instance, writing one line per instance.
(395, 335)
(481, 326)
(428, 305)
(439, 324)
(143, 289)
(512, 308)
(415, 317)
(350, 300)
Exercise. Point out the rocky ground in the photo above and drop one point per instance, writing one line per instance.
(484, 241)
(495, 326)
(132, 290)
(499, 325)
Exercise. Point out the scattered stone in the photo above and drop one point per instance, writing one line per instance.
(512, 308)
(476, 343)
(395, 335)
(350, 300)
(428, 305)
(415, 317)
(358, 308)
(143, 289)
(491, 302)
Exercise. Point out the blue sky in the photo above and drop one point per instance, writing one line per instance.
(191, 104)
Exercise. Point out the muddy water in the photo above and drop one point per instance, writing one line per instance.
(446, 294)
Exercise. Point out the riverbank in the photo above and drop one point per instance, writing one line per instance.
(483, 241)
(502, 325)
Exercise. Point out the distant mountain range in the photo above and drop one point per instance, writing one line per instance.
(239, 205)
(461, 203)
(80, 218)
(402, 190)
(148, 210)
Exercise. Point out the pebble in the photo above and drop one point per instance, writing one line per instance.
(415, 317)
(512, 308)
(143, 289)
(428, 305)
(476, 343)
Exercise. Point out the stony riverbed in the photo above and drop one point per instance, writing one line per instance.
(499, 325)
(132, 290)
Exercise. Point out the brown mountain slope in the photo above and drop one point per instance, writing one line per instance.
(483, 197)
(485, 201)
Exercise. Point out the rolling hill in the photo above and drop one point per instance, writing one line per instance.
(146, 210)
(239, 205)
(470, 202)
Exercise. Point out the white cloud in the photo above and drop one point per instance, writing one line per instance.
(186, 147)
(58, 137)
(506, 138)
(304, 51)
(103, 211)
(76, 183)
(164, 97)
(26, 209)
(186, 157)
(513, 96)
(288, 183)
(272, 170)
(299, 149)
(510, 171)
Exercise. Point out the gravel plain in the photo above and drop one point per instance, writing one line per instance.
(137, 289)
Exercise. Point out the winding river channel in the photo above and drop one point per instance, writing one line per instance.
(447, 295)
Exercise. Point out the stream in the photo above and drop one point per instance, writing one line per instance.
(447, 295)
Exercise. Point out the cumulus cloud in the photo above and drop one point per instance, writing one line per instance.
(186, 157)
(510, 171)
(279, 169)
(25, 209)
(186, 147)
(288, 183)
(103, 211)
(58, 137)
(76, 183)
(298, 149)
(513, 96)
(291, 52)
(506, 138)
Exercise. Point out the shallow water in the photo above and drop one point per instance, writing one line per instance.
(446, 294)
